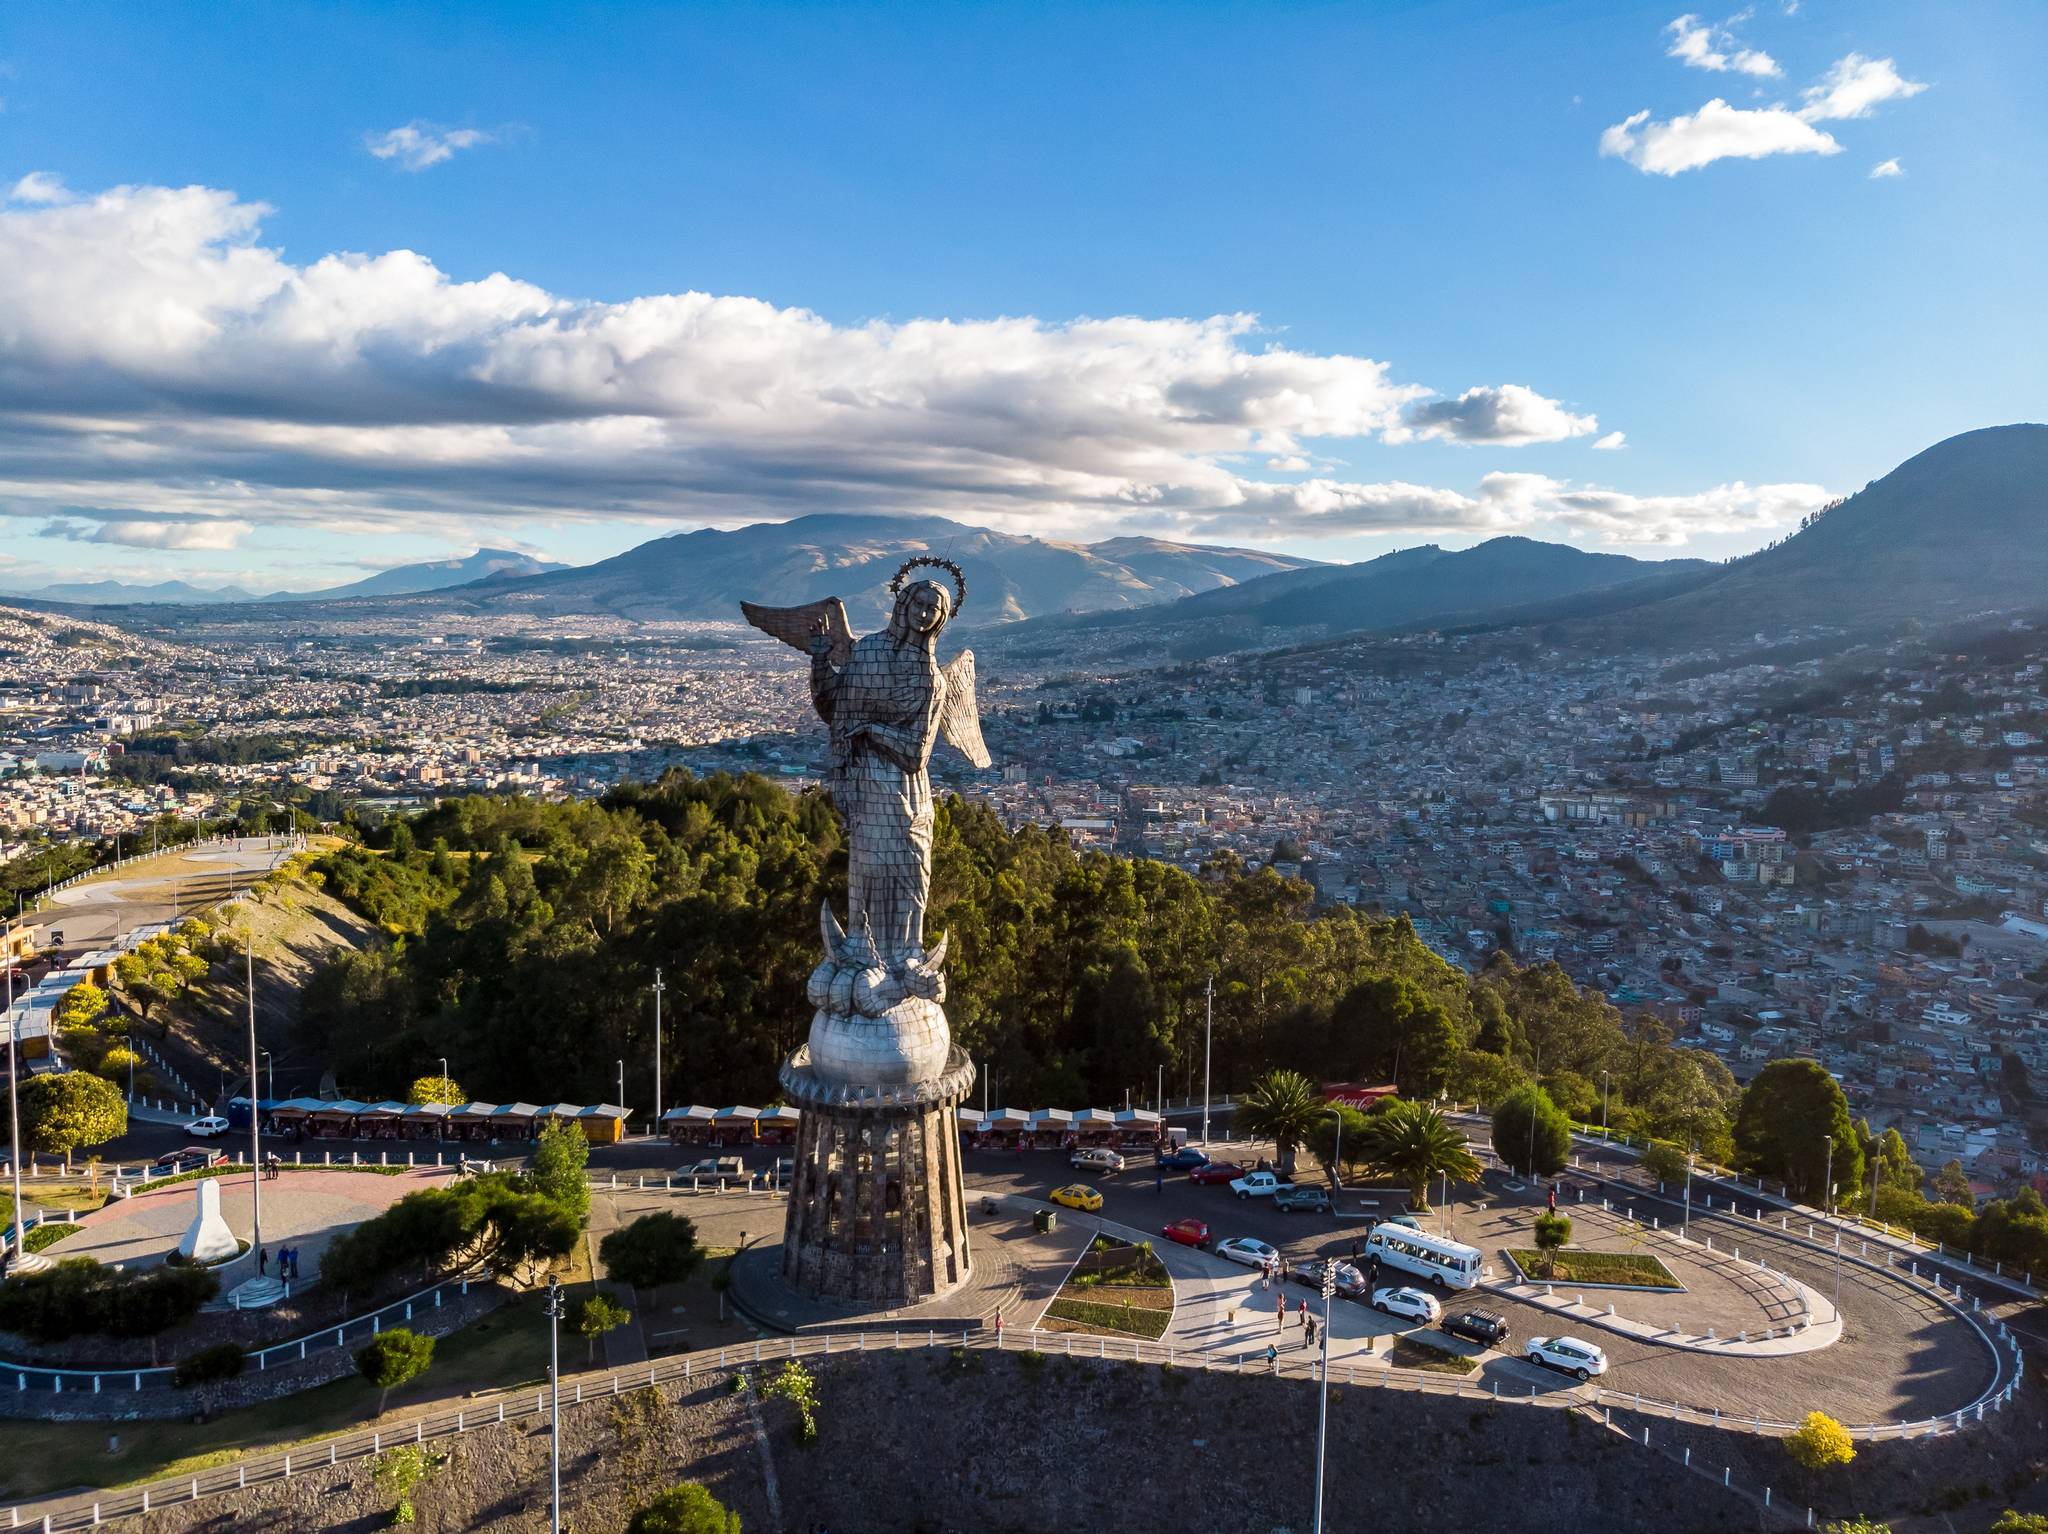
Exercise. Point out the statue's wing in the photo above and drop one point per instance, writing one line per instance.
(794, 626)
(959, 718)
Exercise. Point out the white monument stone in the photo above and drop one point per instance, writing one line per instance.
(207, 1238)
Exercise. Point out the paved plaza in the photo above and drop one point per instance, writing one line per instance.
(303, 1209)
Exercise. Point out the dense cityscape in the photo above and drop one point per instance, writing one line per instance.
(1693, 835)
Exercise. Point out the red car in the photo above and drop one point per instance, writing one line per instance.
(1216, 1171)
(1187, 1232)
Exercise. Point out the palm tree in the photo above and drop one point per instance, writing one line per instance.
(1414, 1143)
(1283, 1108)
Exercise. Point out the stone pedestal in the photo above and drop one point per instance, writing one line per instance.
(877, 1212)
(207, 1238)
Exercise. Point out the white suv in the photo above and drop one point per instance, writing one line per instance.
(1573, 1355)
(207, 1128)
(1095, 1158)
(1412, 1303)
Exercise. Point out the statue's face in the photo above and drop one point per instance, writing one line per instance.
(926, 609)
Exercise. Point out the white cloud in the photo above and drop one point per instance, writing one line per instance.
(1885, 169)
(1507, 416)
(1613, 442)
(1699, 45)
(1717, 131)
(40, 187)
(143, 533)
(1853, 86)
(168, 382)
(1508, 503)
(418, 144)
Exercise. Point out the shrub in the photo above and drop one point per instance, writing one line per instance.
(209, 1365)
(1664, 1161)
(1820, 1442)
(392, 1359)
(591, 1317)
(798, 1386)
(685, 1509)
(79, 1297)
(1552, 1140)
(557, 1172)
(655, 1249)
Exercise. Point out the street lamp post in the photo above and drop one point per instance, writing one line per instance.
(1685, 1229)
(1603, 1105)
(16, 1248)
(554, 1315)
(622, 1083)
(269, 1076)
(444, 1072)
(1323, 1390)
(255, 1118)
(1827, 1192)
(1337, 1161)
(658, 989)
(1208, 1034)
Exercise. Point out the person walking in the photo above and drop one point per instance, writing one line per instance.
(262, 1259)
(1280, 1313)
(999, 1329)
(1272, 1358)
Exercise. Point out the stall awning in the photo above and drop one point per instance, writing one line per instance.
(1007, 1118)
(781, 1114)
(738, 1115)
(690, 1115)
(1141, 1117)
(527, 1111)
(1051, 1118)
(1095, 1118)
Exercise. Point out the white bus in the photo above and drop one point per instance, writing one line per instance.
(1445, 1263)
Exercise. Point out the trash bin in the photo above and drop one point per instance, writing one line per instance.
(1044, 1220)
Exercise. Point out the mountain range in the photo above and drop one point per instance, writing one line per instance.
(1957, 530)
(703, 575)
(428, 575)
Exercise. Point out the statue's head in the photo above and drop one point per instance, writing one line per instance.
(922, 608)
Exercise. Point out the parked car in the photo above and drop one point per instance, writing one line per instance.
(1245, 1249)
(1256, 1185)
(191, 1158)
(1408, 1220)
(1188, 1232)
(1574, 1355)
(208, 1128)
(1095, 1158)
(731, 1168)
(1078, 1195)
(1185, 1158)
(1216, 1171)
(1301, 1195)
(1411, 1303)
(785, 1169)
(1481, 1326)
(1308, 1271)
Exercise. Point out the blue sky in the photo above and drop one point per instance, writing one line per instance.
(1412, 200)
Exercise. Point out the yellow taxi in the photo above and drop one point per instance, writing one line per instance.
(1078, 1195)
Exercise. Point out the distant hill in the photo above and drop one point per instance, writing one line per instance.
(116, 593)
(430, 575)
(1423, 585)
(402, 580)
(1961, 528)
(704, 574)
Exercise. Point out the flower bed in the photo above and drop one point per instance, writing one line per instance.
(1634, 1270)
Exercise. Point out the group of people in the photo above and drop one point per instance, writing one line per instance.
(287, 1261)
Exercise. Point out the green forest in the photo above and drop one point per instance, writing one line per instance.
(524, 937)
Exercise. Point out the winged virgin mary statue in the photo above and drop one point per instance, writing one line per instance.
(888, 701)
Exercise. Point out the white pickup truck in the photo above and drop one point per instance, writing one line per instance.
(1256, 1185)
